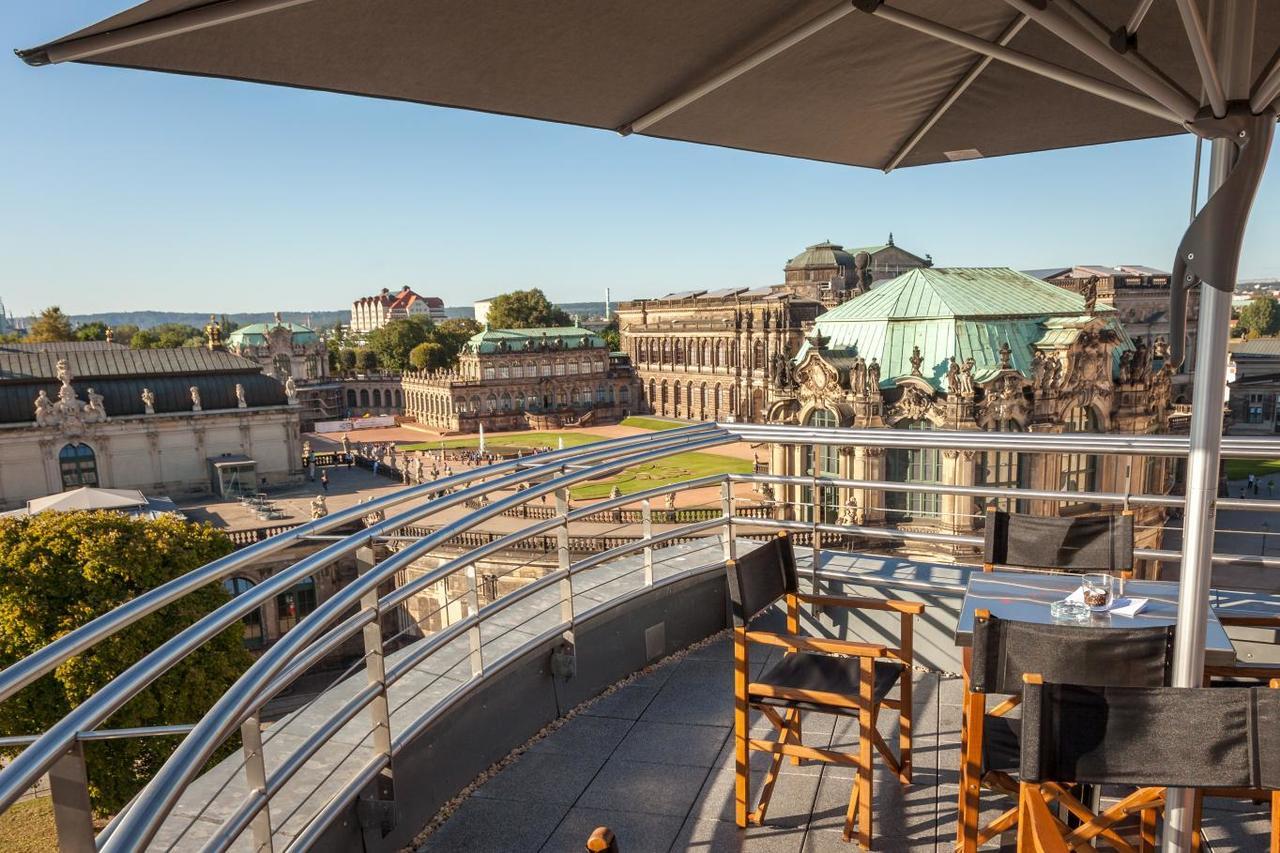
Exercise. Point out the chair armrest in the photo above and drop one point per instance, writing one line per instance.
(818, 644)
(913, 607)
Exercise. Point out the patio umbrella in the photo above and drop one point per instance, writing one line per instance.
(867, 83)
(88, 498)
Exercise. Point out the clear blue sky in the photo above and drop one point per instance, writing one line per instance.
(134, 190)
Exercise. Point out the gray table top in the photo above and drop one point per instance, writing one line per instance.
(1026, 596)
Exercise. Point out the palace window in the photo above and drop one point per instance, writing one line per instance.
(491, 404)
(624, 394)
(586, 367)
(504, 372)
(573, 368)
(1079, 471)
(517, 371)
(254, 636)
(1004, 470)
(914, 466)
(1255, 413)
(295, 604)
(488, 373)
(822, 460)
(559, 368)
(377, 398)
(546, 369)
(364, 397)
(506, 402)
(757, 358)
(600, 398)
(78, 465)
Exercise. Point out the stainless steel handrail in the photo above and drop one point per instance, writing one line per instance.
(313, 637)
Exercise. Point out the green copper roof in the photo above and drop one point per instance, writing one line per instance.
(825, 254)
(255, 334)
(500, 340)
(960, 312)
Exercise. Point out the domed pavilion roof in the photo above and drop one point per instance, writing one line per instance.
(256, 334)
(825, 254)
(965, 312)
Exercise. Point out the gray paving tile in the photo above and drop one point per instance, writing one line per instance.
(641, 786)
(636, 832)
(495, 825)
(790, 805)
(627, 702)
(673, 743)
(585, 735)
(543, 777)
(718, 836)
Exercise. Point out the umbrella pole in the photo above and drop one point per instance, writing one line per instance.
(1232, 25)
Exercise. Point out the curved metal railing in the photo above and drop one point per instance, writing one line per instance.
(328, 627)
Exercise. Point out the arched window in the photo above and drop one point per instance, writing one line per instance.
(364, 396)
(822, 460)
(295, 604)
(78, 465)
(918, 466)
(399, 399)
(506, 402)
(377, 398)
(491, 404)
(475, 405)
(1005, 470)
(653, 395)
(283, 369)
(254, 636)
(718, 359)
(351, 398)
(1078, 472)
(757, 355)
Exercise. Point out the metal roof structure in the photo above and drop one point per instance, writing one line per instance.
(517, 340)
(956, 312)
(255, 334)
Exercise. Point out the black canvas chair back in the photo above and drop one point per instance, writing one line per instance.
(1152, 736)
(1004, 650)
(1086, 544)
(760, 578)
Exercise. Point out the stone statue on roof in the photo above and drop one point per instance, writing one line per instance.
(873, 378)
(64, 372)
(241, 403)
(1006, 356)
(858, 377)
(1090, 293)
(195, 399)
(318, 507)
(148, 401)
(966, 377)
(291, 391)
(213, 333)
(45, 414)
(916, 361)
(94, 410)
(953, 376)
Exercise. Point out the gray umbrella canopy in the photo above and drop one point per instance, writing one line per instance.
(803, 78)
(865, 83)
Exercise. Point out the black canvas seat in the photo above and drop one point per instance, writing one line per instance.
(825, 674)
(1090, 543)
(814, 674)
(1005, 650)
(1151, 737)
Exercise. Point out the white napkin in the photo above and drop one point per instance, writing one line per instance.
(1119, 606)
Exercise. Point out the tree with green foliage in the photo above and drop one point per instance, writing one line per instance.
(1261, 317)
(59, 571)
(612, 335)
(366, 360)
(348, 359)
(167, 336)
(524, 309)
(394, 341)
(124, 333)
(428, 355)
(94, 330)
(51, 326)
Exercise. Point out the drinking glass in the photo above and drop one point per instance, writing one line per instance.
(1097, 591)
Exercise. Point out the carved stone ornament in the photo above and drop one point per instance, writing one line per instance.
(916, 361)
(241, 403)
(318, 507)
(914, 404)
(195, 399)
(68, 412)
(148, 401)
(1003, 402)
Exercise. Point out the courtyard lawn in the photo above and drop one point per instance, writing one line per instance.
(28, 827)
(650, 423)
(1239, 469)
(495, 442)
(673, 469)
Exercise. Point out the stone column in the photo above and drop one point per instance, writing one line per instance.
(874, 468)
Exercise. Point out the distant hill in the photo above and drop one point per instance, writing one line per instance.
(316, 319)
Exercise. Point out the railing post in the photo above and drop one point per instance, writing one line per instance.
(474, 637)
(255, 773)
(72, 811)
(726, 507)
(816, 545)
(646, 529)
(562, 554)
(379, 817)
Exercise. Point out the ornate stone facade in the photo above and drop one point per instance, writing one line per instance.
(100, 414)
(985, 350)
(524, 378)
(710, 356)
(291, 353)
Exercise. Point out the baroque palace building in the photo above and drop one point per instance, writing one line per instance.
(524, 378)
(708, 355)
(292, 351)
(969, 349)
(169, 422)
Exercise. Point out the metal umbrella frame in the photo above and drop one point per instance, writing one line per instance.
(1233, 108)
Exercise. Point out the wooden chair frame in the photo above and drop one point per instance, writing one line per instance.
(789, 724)
(970, 835)
(1040, 831)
